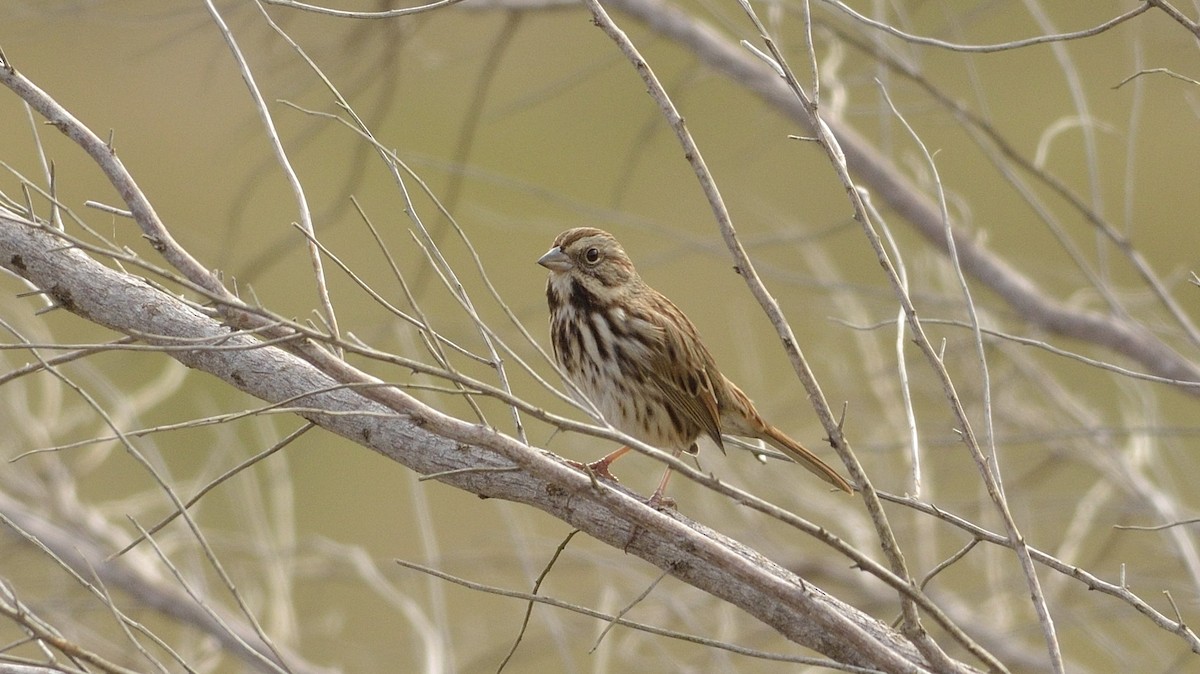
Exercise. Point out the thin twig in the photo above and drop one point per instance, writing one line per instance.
(20, 614)
(1149, 71)
(345, 14)
(1119, 590)
(628, 607)
(1157, 527)
(275, 666)
(281, 156)
(650, 629)
(911, 626)
(988, 464)
(537, 584)
(989, 48)
(214, 483)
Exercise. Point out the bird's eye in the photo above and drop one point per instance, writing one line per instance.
(592, 255)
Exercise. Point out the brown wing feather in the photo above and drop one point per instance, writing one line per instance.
(683, 369)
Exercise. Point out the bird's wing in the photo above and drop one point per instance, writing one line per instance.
(683, 370)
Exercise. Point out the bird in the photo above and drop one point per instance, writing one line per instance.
(639, 359)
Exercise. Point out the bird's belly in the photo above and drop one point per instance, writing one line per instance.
(633, 405)
(599, 355)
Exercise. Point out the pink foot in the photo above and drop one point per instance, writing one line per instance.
(597, 468)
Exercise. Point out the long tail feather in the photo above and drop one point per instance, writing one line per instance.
(796, 452)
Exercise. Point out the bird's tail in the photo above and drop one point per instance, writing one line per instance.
(796, 452)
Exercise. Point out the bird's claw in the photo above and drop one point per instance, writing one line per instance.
(598, 469)
(661, 501)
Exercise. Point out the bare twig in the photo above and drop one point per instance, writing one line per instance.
(889, 185)
(306, 222)
(1120, 590)
(1177, 15)
(911, 625)
(537, 584)
(988, 464)
(14, 610)
(1157, 527)
(618, 620)
(988, 48)
(344, 14)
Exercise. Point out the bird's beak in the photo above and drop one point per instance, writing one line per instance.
(555, 260)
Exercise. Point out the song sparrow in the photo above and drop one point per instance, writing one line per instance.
(634, 354)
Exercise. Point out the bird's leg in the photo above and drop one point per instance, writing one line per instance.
(659, 499)
(599, 468)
